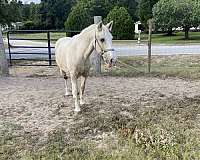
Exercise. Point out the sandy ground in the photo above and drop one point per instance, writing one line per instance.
(37, 105)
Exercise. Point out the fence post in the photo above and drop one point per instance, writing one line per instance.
(150, 23)
(95, 57)
(3, 61)
(10, 56)
(49, 47)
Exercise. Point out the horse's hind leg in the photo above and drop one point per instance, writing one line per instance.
(82, 89)
(67, 90)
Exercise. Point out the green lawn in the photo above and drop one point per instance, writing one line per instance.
(177, 38)
(55, 35)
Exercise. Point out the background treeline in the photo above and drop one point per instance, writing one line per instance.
(77, 14)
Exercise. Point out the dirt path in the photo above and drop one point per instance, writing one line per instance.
(37, 105)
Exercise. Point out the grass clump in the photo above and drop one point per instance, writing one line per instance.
(181, 66)
(165, 130)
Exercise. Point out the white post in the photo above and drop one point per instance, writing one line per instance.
(138, 31)
(95, 57)
(3, 61)
(139, 39)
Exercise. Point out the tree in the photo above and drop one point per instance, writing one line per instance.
(10, 11)
(54, 12)
(188, 11)
(123, 27)
(92, 8)
(165, 15)
(3, 11)
(130, 5)
(80, 16)
(145, 10)
(26, 12)
(97, 7)
(14, 12)
(177, 13)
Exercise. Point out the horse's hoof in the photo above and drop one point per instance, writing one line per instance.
(82, 102)
(77, 110)
(68, 94)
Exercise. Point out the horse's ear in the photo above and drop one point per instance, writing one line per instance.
(99, 26)
(109, 26)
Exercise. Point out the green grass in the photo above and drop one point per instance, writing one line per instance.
(182, 66)
(54, 35)
(177, 38)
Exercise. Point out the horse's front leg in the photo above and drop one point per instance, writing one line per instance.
(67, 90)
(75, 93)
(82, 89)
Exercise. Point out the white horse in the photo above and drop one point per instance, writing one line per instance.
(72, 56)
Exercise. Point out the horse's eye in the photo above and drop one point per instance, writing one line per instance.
(102, 40)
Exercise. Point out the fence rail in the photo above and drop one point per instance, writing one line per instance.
(49, 46)
(47, 49)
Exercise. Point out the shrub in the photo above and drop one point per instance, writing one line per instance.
(80, 17)
(28, 25)
(123, 27)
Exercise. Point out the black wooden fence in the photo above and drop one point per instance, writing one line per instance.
(49, 53)
(29, 49)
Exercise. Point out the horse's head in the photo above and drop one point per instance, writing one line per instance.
(103, 43)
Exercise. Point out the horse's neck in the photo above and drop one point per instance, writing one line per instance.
(88, 39)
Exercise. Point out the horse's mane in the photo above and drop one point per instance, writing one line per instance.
(88, 29)
(85, 30)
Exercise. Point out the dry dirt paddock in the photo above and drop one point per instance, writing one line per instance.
(33, 105)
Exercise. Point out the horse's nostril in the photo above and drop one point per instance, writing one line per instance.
(111, 60)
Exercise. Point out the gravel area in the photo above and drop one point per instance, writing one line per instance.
(38, 104)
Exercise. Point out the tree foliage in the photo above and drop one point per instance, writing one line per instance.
(83, 12)
(80, 16)
(123, 27)
(10, 11)
(177, 13)
(54, 12)
(130, 5)
(145, 10)
(3, 11)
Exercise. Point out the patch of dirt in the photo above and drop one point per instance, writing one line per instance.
(33, 105)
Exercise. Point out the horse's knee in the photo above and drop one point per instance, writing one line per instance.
(65, 77)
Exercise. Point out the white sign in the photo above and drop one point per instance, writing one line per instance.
(137, 27)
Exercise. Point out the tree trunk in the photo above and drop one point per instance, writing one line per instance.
(3, 61)
(169, 32)
(187, 29)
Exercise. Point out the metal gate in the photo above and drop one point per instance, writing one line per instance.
(33, 53)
